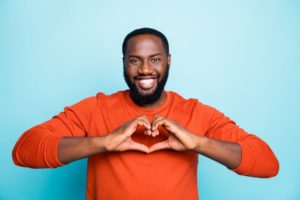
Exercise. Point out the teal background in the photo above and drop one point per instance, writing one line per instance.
(242, 57)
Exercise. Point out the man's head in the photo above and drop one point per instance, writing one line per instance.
(146, 62)
(144, 31)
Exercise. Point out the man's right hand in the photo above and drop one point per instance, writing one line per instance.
(120, 139)
(75, 148)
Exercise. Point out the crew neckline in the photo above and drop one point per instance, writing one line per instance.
(158, 109)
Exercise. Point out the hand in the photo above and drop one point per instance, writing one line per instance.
(120, 139)
(179, 138)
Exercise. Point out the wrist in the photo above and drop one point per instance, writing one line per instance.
(200, 143)
(99, 143)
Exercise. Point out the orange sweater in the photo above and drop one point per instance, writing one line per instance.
(164, 174)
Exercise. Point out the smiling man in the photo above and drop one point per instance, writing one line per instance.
(146, 67)
(143, 143)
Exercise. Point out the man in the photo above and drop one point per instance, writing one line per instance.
(143, 143)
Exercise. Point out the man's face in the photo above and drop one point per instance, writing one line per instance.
(146, 67)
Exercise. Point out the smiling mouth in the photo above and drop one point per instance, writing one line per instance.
(146, 82)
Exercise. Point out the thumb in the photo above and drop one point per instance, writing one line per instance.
(160, 146)
(139, 147)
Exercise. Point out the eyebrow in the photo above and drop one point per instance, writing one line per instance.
(153, 55)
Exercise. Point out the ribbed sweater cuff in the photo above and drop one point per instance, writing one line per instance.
(246, 161)
(51, 151)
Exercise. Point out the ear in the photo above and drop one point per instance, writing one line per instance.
(169, 59)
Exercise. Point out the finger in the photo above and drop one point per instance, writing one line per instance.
(139, 147)
(155, 133)
(148, 126)
(156, 119)
(131, 128)
(169, 125)
(141, 122)
(154, 127)
(148, 132)
(155, 130)
(145, 120)
(160, 121)
(160, 146)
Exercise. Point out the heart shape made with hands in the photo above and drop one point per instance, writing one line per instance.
(140, 137)
(161, 134)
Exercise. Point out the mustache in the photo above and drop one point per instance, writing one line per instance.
(140, 77)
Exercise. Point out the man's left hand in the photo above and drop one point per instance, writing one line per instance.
(180, 139)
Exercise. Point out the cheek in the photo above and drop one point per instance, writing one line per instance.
(130, 71)
(162, 70)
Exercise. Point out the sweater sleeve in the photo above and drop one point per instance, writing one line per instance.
(258, 160)
(37, 147)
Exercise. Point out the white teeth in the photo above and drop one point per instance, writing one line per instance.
(146, 83)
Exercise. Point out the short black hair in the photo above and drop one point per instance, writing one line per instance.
(144, 31)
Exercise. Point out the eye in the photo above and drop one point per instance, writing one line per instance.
(155, 60)
(134, 61)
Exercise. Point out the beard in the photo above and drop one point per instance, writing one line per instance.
(146, 99)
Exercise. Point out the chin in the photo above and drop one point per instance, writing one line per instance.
(146, 92)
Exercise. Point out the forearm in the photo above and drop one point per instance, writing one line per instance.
(226, 153)
(75, 148)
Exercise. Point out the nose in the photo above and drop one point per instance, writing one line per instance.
(145, 68)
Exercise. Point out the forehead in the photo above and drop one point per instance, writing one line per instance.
(145, 44)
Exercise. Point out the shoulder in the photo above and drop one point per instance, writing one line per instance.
(96, 100)
(93, 104)
(184, 103)
(103, 96)
(108, 100)
(179, 99)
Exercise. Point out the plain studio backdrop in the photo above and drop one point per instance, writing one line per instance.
(241, 57)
